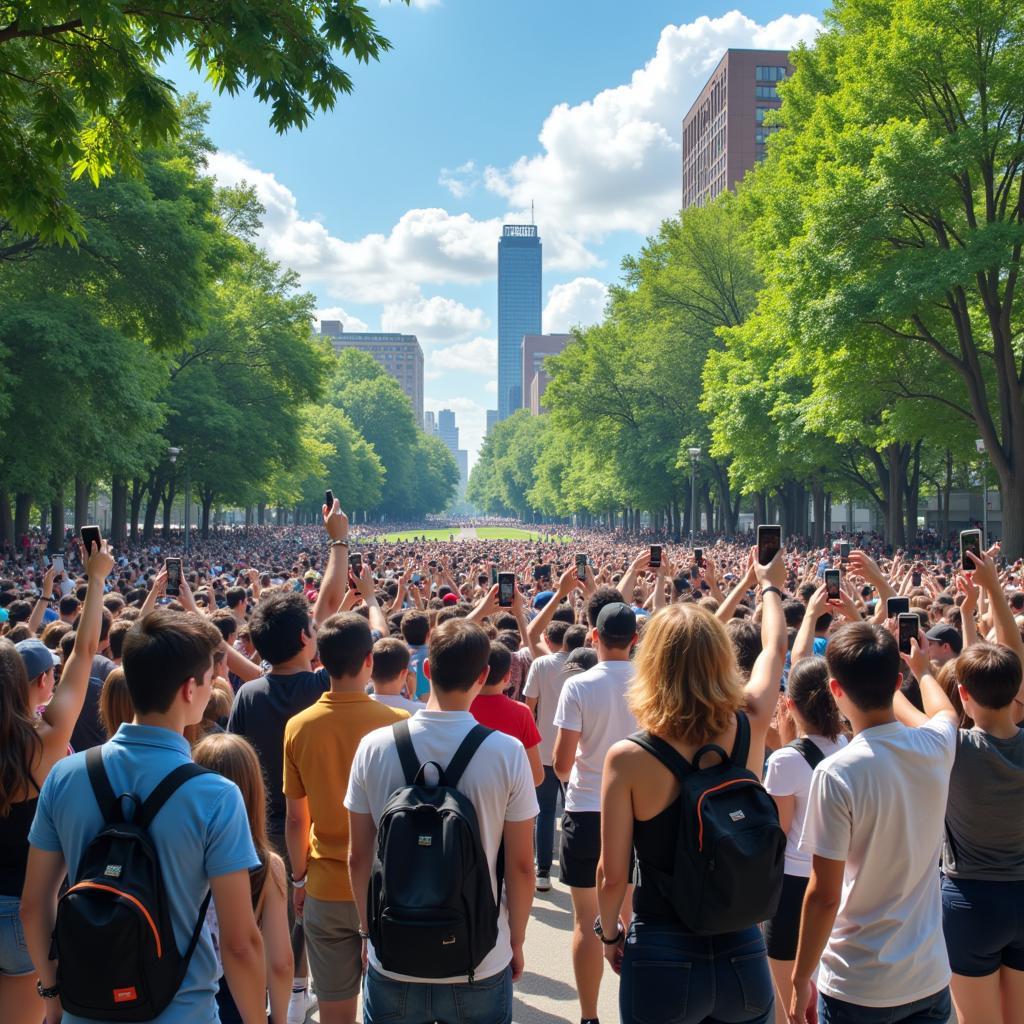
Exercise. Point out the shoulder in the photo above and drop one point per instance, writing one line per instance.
(300, 722)
(66, 770)
(501, 745)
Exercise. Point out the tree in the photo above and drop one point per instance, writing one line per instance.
(80, 93)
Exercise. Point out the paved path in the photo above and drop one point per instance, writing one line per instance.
(467, 533)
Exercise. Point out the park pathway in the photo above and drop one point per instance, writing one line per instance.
(467, 533)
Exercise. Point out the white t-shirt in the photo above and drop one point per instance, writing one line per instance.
(498, 781)
(879, 804)
(789, 774)
(593, 704)
(396, 700)
(545, 681)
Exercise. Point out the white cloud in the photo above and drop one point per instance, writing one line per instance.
(436, 319)
(477, 356)
(470, 418)
(349, 322)
(491, 387)
(461, 180)
(613, 162)
(577, 303)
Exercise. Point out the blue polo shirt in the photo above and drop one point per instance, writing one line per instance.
(202, 832)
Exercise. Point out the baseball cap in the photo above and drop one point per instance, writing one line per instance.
(944, 633)
(542, 598)
(450, 599)
(616, 621)
(36, 657)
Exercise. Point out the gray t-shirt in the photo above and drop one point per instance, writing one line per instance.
(984, 827)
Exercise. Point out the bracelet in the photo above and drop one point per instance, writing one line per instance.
(299, 883)
(771, 590)
(339, 544)
(363, 935)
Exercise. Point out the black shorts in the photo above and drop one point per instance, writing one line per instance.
(782, 931)
(580, 849)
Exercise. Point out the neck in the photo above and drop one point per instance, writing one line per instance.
(494, 691)
(861, 720)
(173, 721)
(998, 723)
(300, 663)
(391, 687)
(612, 654)
(348, 684)
(459, 700)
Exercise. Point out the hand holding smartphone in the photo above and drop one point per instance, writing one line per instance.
(970, 541)
(581, 567)
(506, 589)
(329, 500)
(173, 566)
(909, 626)
(91, 538)
(896, 606)
(832, 584)
(655, 562)
(769, 542)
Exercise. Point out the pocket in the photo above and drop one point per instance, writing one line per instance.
(485, 1002)
(383, 999)
(661, 990)
(754, 980)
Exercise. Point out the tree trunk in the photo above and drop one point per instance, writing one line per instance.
(261, 514)
(172, 487)
(734, 515)
(895, 456)
(760, 508)
(709, 511)
(949, 490)
(155, 493)
(82, 490)
(913, 493)
(6, 523)
(818, 495)
(119, 508)
(1011, 494)
(57, 521)
(207, 495)
(139, 488)
(22, 508)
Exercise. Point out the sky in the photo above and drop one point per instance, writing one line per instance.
(390, 206)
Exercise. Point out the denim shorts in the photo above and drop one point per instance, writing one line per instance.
(14, 958)
(983, 923)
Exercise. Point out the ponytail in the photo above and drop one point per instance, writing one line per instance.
(807, 688)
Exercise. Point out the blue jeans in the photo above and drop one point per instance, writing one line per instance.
(410, 1002)
(670, 976)
(14, 958)
(544, 833)
(935, 1009)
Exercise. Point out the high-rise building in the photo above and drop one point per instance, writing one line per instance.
(449, 434)
(534, 350)
(519, 307)
(399, 354)
(429, 423)
(492, 418)
(724, 133)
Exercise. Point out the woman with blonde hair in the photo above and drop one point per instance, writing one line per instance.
(233, 757)
(688, 693)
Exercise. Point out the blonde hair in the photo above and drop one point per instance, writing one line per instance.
(687, 683)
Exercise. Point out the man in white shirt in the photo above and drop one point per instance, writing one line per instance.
(592, 716)
(390, 677)
(874, 824)
(499, 784)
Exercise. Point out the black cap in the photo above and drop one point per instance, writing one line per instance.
(944, 633)
(617, 621)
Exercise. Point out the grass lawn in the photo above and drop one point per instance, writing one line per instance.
(483, 533)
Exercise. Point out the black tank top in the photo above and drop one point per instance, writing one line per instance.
(654, 841)
(14, 845)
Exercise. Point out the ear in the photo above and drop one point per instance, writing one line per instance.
(899, 681)
(368, 660)
(835, 688)
(964, 695)
(188, 690)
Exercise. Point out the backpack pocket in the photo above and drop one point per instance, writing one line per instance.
(424, 944)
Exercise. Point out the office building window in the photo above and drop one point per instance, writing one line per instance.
(761, 111)
(770, 74)
(767, 92)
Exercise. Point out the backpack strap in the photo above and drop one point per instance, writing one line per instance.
(110, 806)
(467, 748)
(664, 752)
(741, 747)
(165, 790)
(406, 751)
(809, 751)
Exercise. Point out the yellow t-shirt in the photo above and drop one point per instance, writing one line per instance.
(319, 745)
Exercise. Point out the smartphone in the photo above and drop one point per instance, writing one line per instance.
(915, 579)
(544, 572)
(329, 500)
(832, 584)
(909, 626)
(355, 563)
(655, 556)
(57, 564)
(698, 557)
(91, 538)
(896, 606)
(769, 541)
(844, 552)
(970, 540)
(506, 589)
(173, 566)
(581, 567)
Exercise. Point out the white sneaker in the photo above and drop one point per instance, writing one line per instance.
(299, 1006)
(543, 881)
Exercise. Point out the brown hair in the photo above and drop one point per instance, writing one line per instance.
(687, 683)
(865, 659)
(116, 705)
(20, 744)
(990, 673)
(458, 654)
(946, 678)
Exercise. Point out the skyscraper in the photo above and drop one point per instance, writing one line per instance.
(519, 307)
(724, 133)
(535, 349)
(449, 434)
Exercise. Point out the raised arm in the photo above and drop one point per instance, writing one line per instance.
(535, 629)
(864, 566)
(35, 620)
(987, 578)
(335, 581)
(366, 590)
(762, 689)
(728, 607)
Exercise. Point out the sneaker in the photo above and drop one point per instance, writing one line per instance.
(299, 1006)
(543, 881)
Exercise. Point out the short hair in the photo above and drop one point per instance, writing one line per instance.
(806, 591)
(865, 659)
(51, 635)
(1017, 600)
(459, 653)
(234, 596)
(990, 673)
(415, 627)
(113, 603)
(794, 612)
(745, 637)
(575, 637)
(391, 658)
(499, 663)
(161, 652)
(598, 599)
(344, 642)
(226, 623)
(822, 622)
(555, 633)
(505, 622)
(69, 605)
(278, 624)
(116, 636)
(19, 611)
(564, 613)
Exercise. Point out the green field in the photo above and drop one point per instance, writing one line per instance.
(482, 533)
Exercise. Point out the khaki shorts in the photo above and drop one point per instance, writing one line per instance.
(333, 947)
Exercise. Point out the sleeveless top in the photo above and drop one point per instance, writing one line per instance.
(14, 845)
(654, 842)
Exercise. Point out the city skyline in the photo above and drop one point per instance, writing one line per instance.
(404, 240)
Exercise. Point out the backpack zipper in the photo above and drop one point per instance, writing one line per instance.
(700, 802)
(127, 896)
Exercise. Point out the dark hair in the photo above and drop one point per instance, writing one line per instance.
(278, 624)
(575, 637)
(555, 633)
(745, 637)
(391, 658)
(234, 596)
(18, 611)
(598, 599)
(115, 702)
(344, 642)
(499, 662)
(990, 673)
(118, 628)
(459, 653)
(415, 627)
(807, 688)
(508, 638)
(19, 742)
(161, 652)
(69, 605)
(564, 613)
(806, 591)
(505, 622)
(822, 622)
(226, 623)
(794, 612)
(865, 659)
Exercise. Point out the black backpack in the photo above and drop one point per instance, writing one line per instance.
(431, 906)
(728, 865)
(808, 750)
(117, 955)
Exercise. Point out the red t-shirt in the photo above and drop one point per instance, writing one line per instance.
(508, 716)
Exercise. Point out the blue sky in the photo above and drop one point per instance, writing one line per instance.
(390, 206)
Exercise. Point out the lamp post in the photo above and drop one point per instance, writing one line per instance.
(980, 447)
(174, 453)
(694, 459)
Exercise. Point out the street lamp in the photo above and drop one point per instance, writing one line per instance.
(980, 447)
(694, 459)
(174, 453)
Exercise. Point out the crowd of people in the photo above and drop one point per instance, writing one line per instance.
(314, 766)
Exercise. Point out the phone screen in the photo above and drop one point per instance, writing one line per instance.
(173, 588)
(698, 556)
(329, 500)
(769, 541)
(581, 567)
(655, 556)
(896, 606)
(57, 564)
(506, 588)
(970, 540)
(909, 626)
(832, 584)
(915, 579)
(91, 538)
(844, 551)
(356, 562)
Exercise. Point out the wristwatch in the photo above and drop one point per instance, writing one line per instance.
(299, 883)
(771, 590)
(47, 993)
(599, 932)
